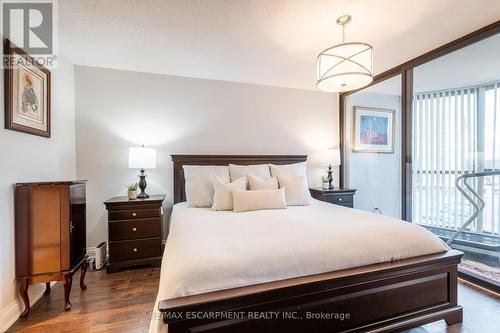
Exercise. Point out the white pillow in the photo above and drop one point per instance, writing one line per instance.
(256, 200)
(257, 183)
(292, 171)
(223, 196)
(198, 185)
(296, 192)
(259, 170)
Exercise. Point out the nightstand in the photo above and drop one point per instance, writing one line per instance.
(338, 196)
(134, 232)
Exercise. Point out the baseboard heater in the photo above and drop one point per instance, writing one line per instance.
(100, 255)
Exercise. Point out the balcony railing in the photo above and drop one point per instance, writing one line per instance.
(438, 203)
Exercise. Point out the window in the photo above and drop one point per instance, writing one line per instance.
(456, 132)
(443, 148)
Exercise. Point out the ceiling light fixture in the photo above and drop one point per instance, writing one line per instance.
(346, 66)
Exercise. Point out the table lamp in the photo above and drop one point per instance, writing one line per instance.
(142, 158)
(329, 158)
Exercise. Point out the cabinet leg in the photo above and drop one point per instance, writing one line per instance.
(23, 290)
(47, 289)
(83, 271)
(68, 280)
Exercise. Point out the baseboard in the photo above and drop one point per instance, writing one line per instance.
(11, 313)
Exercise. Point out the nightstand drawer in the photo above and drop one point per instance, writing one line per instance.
(133, 214)
(339, 198)
(132, 229)
(134, 249)
(345, 204)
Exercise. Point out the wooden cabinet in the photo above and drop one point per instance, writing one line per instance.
(134, 232)
(50, 235)
(338, 196)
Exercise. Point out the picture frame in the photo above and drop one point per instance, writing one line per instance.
(27, 93)
(373, 130)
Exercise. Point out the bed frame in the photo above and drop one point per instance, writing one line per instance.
(387, 297)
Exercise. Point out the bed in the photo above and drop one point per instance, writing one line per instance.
(301, 269)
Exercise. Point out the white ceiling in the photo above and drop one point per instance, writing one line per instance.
(264, 42)
(473, 65)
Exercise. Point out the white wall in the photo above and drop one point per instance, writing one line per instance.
(117, 109)
(371, 172)
(27, 157)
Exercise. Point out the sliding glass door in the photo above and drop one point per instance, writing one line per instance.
(455, 125)
(444, 169)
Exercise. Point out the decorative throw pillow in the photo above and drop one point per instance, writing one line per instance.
(296, 191)
(260, 199)
(259, 170)
(257, 183)
(292, 171)
(198, 183)
(223, 196)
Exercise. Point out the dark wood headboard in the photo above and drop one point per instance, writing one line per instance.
(180, 160)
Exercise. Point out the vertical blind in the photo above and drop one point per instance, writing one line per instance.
(456, 132)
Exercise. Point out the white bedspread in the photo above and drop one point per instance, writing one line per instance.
(208, 250)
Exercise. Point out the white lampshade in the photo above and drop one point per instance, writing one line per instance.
(344, 67)
(141, 158)
(326, 157)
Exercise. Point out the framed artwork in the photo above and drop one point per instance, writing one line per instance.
(373, 130)
(27, 93)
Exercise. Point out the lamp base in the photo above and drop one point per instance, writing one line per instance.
(330, 178)
(142, 186)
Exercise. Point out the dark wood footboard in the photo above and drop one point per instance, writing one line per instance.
(377, 298)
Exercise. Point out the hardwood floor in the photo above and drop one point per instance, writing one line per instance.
(481, 312)
(121, 302)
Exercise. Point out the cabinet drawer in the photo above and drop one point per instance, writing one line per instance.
(133, 214)
(339, 198)
(132, 229)
(134, 249)
(345, 204)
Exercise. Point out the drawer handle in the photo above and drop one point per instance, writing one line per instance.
(135, 249)
(134, 229)
(134, 214)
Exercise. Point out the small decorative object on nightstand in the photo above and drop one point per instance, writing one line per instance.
(142, 158)
(132, 191)
(339, 196)
(134, 232)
